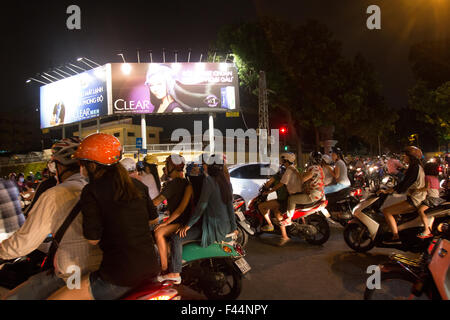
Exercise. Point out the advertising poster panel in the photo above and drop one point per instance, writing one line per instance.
(80, 97)
(164, 88)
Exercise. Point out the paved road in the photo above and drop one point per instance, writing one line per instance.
(300, 271)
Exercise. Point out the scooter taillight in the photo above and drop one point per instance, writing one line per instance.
(239, 249)
(431, 246)
(164, 294)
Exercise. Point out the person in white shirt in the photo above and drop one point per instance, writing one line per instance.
(339, 173)
(46, 217)
(150, 176)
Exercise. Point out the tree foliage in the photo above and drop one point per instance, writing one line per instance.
(313, 84)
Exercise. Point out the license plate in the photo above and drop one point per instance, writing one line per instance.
(243, 266)
(240, 215)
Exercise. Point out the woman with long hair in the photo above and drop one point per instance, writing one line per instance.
(339, 173)
(117, 211)
(163, 88)
(215, 208)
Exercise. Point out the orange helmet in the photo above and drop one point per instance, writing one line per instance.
(101, 148)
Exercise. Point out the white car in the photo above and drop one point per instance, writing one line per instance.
(248, 178)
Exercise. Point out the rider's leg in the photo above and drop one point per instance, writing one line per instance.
(396, 209)
(160, 237)
(424, 218)
(265, 207)
(176, 245)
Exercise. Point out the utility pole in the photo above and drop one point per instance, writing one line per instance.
(263, 122)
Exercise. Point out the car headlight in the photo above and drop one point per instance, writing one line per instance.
(385, 180)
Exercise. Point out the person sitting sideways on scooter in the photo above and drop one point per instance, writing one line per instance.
(413, 185)
(278, 205)
(339, 172)
(214, 208)
(178, 192)
(432, 200)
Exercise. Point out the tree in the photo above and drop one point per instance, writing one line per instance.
(314, 85)
(431, 93)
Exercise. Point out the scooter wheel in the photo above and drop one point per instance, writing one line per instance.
(357, 237)
(323, 229)
(242, 238)
(227, 283)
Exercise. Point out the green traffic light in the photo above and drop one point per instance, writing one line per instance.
(285, 148)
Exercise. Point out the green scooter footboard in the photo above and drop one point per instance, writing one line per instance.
(193, 251)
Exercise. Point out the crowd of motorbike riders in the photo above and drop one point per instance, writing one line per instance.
(113, 240)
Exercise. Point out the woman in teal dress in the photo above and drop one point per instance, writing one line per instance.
(212, 220)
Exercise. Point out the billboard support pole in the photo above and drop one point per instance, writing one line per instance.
(98, 125)
(211, 133)
(79, 129)
(63, 132)
(143, 132)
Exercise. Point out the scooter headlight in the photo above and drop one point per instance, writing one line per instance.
(385, 180)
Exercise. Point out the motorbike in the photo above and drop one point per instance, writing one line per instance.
(368, 228)
(216, 271)
(358, 177)
(243, 226)
(308, 222)
(416, 278)
(216, 268)
(341, 203)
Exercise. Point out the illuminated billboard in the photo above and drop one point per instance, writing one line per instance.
(164, 88)
(80, 97)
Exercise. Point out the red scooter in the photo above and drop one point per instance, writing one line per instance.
(308, 222)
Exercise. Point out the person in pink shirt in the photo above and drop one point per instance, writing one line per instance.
(432, 200)
(393, 166)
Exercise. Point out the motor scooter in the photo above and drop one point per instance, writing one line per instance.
(309, 222)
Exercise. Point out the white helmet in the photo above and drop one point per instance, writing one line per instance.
(326, 158)
(63, 150)
(128, 164)
(289, 156)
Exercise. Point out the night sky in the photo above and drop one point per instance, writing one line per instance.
(35, 37)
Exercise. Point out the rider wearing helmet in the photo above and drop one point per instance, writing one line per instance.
(116, 211)
(46, 217)
(310, 182)
(178, 193)
(278, 205)
(413, 185)
(214, 210)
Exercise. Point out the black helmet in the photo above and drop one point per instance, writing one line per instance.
(336, 150)
(315, 157)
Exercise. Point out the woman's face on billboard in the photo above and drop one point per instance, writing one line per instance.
(157, 85)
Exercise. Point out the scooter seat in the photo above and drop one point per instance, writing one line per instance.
(309, 205)
(335, 196)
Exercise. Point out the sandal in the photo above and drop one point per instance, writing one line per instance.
(267, 228)
(286, 222)
(424, 236)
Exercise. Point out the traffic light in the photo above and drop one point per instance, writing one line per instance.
(286, 148)
(283, 130)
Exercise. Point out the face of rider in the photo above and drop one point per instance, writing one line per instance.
(406, 158)
(334, 156)
(158, 87)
